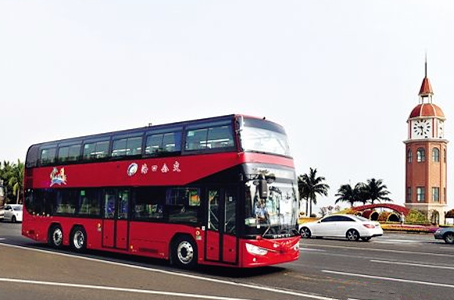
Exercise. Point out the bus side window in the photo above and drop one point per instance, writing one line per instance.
(68, 153)
(47, 156)
(127, 146)
(159, 144)
(220, 137)
(148, 203)
(95, 150)
(183, 205)
(196, 139)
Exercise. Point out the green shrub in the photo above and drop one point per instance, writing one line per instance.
(416, 217)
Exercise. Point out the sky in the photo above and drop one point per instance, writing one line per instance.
(341, 76)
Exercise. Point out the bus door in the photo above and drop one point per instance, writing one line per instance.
(221, 241)
(115, 221)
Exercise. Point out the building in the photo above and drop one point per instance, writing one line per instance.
(426, 150)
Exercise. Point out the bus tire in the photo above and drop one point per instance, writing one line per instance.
(55, 236)
(184, 252)
(78, 239)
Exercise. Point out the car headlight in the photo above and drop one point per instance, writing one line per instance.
(253, 249)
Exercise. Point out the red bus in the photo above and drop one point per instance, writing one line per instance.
(216, 191)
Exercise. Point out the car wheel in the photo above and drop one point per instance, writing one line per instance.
(13, 219)
(366, 239)
(352, 235)
(55, 238)
(184, 252)
(79, 239)
(449, 238)
(305, 232)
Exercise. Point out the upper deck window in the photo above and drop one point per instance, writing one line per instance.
(210, 137)
(127, 146)
(96, 150)
(48, 156)
(263, 136)
(69, 153)
(161, 143)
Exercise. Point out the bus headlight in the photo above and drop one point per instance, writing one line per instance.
(252, 249)
(296, 247)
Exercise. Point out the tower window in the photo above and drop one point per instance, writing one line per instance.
(420, 194)
(420, 155)
(409, 156)
(436, 194)
(435, 155)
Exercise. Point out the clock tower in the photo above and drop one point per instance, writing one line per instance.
(425, 157)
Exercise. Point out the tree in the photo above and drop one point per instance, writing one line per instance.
(13, 177)
(311, 186)
(351, 195)
(302, 191)
(16, 179)
(375, 190)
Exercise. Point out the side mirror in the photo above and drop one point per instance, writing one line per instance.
(263, 189)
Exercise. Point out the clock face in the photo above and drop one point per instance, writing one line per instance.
(440, 129)
(422, 128)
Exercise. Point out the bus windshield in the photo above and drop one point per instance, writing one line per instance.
(275, 215)
(263, 136)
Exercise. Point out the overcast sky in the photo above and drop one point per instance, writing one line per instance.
(341, 76)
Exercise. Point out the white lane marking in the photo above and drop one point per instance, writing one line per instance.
(390, 279)
(262, 288)
(115, 289)
(412, 264)
(312, 250)
(382, 250)
(397, 242)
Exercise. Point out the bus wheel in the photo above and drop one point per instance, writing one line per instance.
(78, 239)
(184, 252)
(55, 238)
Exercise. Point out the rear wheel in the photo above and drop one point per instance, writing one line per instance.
(449, 238)
(79, 239)
(352, 235)
(305, 232)
(55, 238)
(184, 252)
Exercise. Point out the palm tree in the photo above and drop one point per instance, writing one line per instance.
(302, 191)
(16, 179)
(346, 193)
(311, 186)
(376, 190)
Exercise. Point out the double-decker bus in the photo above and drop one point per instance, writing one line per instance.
(215, 191)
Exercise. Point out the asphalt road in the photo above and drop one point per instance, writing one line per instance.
(395, 266)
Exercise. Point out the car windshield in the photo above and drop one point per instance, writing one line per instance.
(17, 208)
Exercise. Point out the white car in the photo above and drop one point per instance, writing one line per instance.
(13, 213)
(348, 226)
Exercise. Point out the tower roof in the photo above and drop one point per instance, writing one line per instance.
(426, 88)
(427, 110)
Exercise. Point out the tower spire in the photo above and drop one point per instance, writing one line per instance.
(426, 88)
(425, 67)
